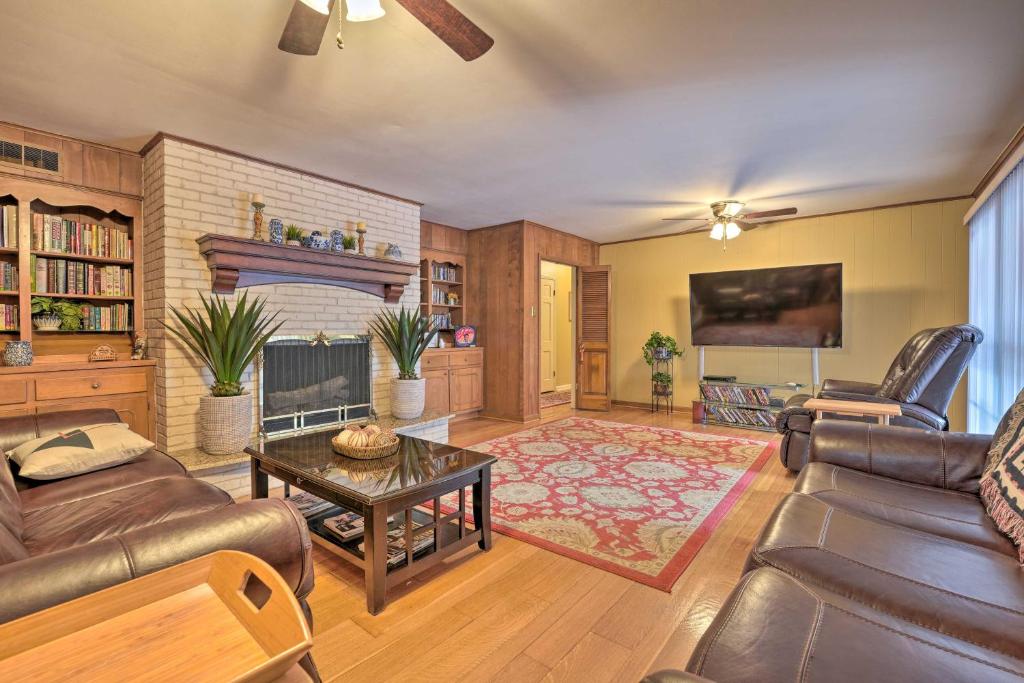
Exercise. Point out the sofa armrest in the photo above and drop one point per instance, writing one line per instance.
(921, 456)
(844, 386)
(674, 676)
(272, 530)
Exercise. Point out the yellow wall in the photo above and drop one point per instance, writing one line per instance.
(563, 319)
(904, 269)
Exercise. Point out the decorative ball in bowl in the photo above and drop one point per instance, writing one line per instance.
(365, 443)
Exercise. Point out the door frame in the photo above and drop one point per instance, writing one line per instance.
(572, 328)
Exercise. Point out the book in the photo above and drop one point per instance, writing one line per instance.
(310, 505)
(9, 226)
(56, 234)
(345, 526)
(396, 544)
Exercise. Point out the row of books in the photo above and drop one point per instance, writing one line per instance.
(439, 296)
(8, 276)
(442, 321)
(8, 317)
(439, 271)
(741, 416)
(59, 276)
(755, 396)
(65, 236)
(9, 226)
(110, 318)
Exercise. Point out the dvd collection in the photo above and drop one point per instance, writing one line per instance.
(742, 416)
(755, 396)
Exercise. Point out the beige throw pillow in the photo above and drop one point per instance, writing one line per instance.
(79, 450)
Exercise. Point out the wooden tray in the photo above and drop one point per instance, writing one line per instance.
(191, 622)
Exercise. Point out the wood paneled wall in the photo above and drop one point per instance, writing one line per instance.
(504, 263)
(441, 237)
(82, 164)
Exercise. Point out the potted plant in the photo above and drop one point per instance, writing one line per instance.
(49, 314)
(293, 235)
(660, 347)
(226, 341)
(662, 384)
(407, 335)
(349, 242)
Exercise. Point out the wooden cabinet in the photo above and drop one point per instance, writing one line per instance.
(455, 380)
(124, 386)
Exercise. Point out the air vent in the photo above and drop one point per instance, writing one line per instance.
(26, 155)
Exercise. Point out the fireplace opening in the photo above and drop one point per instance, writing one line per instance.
(311, 383)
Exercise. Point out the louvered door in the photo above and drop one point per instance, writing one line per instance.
(593, 337)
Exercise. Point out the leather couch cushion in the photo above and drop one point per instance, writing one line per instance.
(952, 514)
(960, 590)
(117, 512)
(774, 628)
(10, 501)
(149, 466)
(11, 547)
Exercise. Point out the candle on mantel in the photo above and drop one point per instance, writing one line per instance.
(257, 198)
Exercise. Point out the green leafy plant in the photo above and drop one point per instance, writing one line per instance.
(657, 340)
(69, 312)
(294, 232)
(348, 242)
(407, 335)
(662, 378)
(225, 340)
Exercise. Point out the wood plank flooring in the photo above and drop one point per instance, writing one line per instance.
(519, 613)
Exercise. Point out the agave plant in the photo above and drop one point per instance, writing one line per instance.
(407, 335)
(225, 340)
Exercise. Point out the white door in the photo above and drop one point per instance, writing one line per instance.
(547, 334)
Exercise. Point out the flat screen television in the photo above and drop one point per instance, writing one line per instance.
(796, 306)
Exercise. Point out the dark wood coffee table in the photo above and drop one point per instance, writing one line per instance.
(389, 493)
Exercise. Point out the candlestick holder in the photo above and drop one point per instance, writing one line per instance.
(257, 220)
(361, 231)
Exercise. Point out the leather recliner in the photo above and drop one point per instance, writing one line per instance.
(63, 539)
(881, 565)
(921, 380)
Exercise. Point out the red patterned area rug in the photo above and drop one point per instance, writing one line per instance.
(634, 500)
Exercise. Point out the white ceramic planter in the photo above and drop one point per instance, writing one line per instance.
(45, 322)
(408, 397)
(225, 423)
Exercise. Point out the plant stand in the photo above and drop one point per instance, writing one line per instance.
(659, 398)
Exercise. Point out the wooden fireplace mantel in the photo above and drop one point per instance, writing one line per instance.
(238, 262)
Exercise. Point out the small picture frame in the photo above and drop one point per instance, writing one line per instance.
(464, 336)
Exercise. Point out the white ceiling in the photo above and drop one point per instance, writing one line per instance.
(598, 117)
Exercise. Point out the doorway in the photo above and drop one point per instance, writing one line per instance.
(556, 334)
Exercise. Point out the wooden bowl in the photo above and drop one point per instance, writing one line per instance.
(366, 452)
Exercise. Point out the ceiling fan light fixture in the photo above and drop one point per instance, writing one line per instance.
(732, 230)
(363, 10)
(321, 6)
(717, 231)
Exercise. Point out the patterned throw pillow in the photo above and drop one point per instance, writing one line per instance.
(1002, 486)
(79, 450)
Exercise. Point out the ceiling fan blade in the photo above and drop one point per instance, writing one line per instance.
(684, 219)
(770, 214)
(305, 29)
(451, 26)
(745, 225)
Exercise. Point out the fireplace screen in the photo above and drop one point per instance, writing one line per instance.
(312, 383)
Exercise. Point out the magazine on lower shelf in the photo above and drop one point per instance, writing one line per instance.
(396, 544)
(310, 505)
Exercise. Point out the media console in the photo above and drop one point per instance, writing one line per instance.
(747, 405)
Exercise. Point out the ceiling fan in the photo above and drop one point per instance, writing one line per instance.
(309, 18)
(728, 223)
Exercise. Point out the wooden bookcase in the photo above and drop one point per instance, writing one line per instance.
(442, 276)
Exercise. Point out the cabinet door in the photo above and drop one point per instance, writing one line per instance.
(131, 408)
(437, 390)
(467, 389)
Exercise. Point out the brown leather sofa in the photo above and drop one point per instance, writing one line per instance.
(881, 565)
(921, 380)
(63, 539)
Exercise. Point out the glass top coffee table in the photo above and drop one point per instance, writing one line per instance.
(405, 527)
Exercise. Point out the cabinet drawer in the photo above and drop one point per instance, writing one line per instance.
(100, 384)
(13, 391)
(461, 359)
(431, 361)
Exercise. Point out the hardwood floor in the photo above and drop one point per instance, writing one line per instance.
(519, 613)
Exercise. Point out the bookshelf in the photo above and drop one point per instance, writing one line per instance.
(746, 405)
(73, 244)
(443, 289)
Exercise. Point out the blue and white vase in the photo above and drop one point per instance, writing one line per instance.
(276, 231)
(318, 241)
(18, 353)
(337, 241)
(393, 251)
